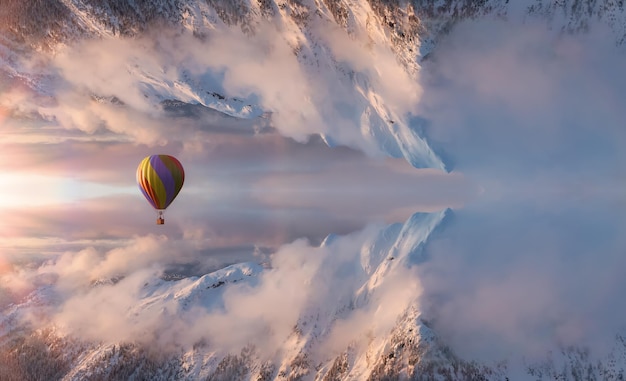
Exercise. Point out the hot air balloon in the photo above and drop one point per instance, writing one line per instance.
(160, 178)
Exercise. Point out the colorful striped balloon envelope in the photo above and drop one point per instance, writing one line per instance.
(160, 179)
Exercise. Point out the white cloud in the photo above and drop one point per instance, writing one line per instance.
(304, 282)
(307, 94)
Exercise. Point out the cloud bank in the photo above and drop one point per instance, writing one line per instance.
(117, 296)
(536, 118)
(347, 97)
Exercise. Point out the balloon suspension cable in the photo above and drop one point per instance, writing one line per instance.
(160, 220)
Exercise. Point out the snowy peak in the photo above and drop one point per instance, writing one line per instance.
(206, 291)
(229, 274)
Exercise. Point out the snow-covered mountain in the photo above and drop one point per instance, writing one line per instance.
(352, 310)
(331, 92)
(313, 54)
(355, 105)
(346, 310)
(328, 314)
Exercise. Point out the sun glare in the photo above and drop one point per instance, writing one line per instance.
(27, 190)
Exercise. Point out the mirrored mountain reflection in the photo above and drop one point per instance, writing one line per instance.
(294, 303)
(524, 286)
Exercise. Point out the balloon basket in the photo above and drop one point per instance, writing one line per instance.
(160, 219)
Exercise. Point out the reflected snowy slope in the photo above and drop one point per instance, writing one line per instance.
(294, 303)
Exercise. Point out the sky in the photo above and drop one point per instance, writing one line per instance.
(529, 121)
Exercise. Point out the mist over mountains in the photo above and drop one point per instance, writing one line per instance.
(455, 166)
